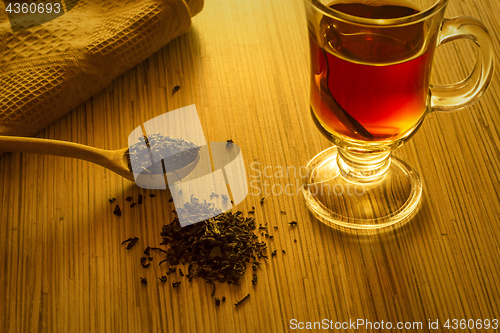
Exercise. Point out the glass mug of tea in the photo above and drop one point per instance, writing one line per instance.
(371, 63)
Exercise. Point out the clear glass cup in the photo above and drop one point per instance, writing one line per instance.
(371, 63)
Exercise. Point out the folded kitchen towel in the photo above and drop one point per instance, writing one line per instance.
(47, 69)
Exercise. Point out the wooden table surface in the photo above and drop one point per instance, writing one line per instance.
(245, 66)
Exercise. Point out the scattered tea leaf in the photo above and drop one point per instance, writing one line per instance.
(127, 240)
(158, 249)
(241, 300)
(117, 211)
(255, 264)
(213, 290)
(132, 242)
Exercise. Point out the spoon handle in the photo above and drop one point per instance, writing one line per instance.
(50, 147)
(102, 157)
(110, 159)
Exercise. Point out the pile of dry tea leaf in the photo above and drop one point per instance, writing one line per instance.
(176, 153)
(216, 249)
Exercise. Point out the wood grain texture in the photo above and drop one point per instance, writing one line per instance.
(245, 66)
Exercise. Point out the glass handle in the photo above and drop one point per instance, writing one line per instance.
(462, 94)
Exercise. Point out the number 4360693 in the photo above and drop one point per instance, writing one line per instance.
(456, 324)
(33, 8)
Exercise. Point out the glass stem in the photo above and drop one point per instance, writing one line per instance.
(363, 167)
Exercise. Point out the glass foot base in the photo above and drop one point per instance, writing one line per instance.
(334, 200)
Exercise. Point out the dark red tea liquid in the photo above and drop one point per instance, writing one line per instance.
(369, 84)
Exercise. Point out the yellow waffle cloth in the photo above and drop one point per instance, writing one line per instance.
(48, 69)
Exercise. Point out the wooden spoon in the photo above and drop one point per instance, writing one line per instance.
(114, 160)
